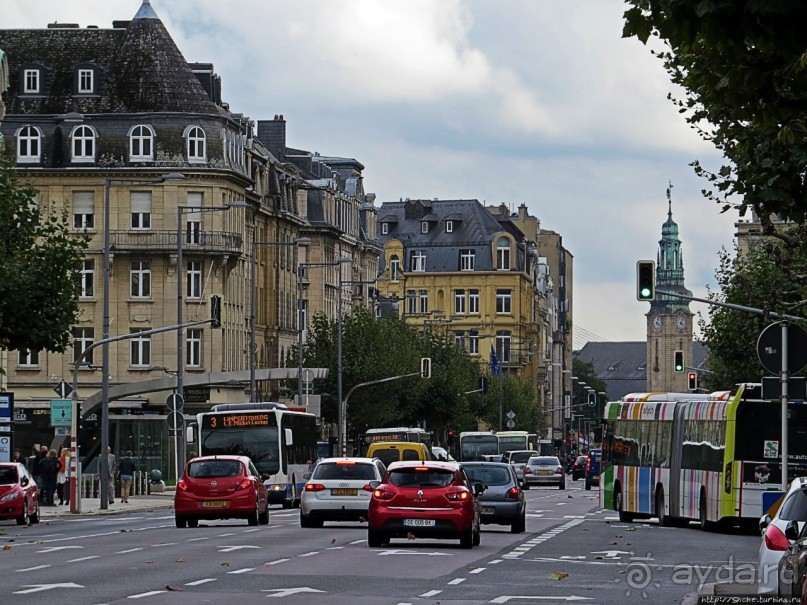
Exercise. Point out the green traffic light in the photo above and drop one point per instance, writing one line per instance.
(645, 293)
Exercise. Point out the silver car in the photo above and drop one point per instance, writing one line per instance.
(544, 470)
(339, 490)
(503, 501)
(518, 460)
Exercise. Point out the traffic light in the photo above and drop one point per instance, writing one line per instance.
(592, 398)
(215, 311)
(450, 437)
(692, 381)
(483, 385)
(425, 367)
(679, 361)
(646, 280)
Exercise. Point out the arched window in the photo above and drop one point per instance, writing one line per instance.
(83, 138)
(503, 253)
(28, 144)
(196, 144)
(141, 143)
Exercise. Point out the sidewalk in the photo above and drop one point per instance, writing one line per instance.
(92, 506)
(720, 588)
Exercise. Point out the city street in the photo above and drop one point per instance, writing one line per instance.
(572, 552)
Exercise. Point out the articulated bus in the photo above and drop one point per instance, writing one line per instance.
(516, 440)
(281, 443)
(708, 458)
(400, 433)
(474, 444)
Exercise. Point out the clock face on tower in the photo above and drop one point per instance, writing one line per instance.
(657, 323)
(681, 322)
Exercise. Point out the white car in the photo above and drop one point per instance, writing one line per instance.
(774, 542)
(441, 453)
(339, 490)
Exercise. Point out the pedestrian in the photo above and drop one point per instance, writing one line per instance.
(49, 468)
(34, 465)
(127, 468)
(62, 487)
(16, 456)
(111, 468)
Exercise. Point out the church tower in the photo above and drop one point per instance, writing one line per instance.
(669, 321)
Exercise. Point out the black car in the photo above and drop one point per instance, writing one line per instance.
(579, 468)
(793, 564)
(503, 501)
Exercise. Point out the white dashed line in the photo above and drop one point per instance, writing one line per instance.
(276, 561)
(309, 554)
(33, 568)
(126, 552)
(456, 581)
(82, 559)
(199, 582)
(145, 594)
(431, 593)
(238, 571)
(478, 570)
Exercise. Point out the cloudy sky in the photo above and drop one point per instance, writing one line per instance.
(536, 102)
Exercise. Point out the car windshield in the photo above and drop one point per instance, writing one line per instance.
(214, 468)
(794, 508)
(581, 460)
(521, 457)
(8, 475)
(544, 461)
(337, 470)
(387, 456)
(410, 477)
(489, 475)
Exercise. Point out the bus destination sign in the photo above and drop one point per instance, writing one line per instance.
(235, 420)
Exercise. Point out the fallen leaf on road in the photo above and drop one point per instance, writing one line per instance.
(570, 496)
(226, 564)
(7, 547)
(558, 575)
(179, 561)
(333, 541)
(410, 536)
(599, 557)
(612, 543)
(172, 588)
(631, 529)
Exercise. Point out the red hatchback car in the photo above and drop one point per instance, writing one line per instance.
(427, 499)
(221, 487)
(19, 495)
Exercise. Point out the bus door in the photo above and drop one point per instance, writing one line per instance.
(676, 450)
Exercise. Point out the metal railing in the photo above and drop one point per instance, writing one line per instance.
(161, 240)
(91, 485)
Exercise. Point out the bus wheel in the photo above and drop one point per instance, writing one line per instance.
(624, 517)
(663, 519)
(703, 523)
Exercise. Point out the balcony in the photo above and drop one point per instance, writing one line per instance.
(211, 243)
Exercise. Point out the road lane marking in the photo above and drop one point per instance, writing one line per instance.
(244, 570)
(478, 570)
(151, 593)
(357, 542)
(456, 581)
(276, 561)
(79, 560)
(124, 552)
(197, 539)
(309, 554)
(526, 546)
(33, 568)
(199, 582)
(431, 593)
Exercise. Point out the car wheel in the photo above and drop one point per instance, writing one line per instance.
(289, 502)
(252, 519)
(478, 535)
(664, 520)
(703, 523)
(181, 521)
(263, 518)
(375, 538)
(308, 521)
(34, 516)
(467, 538)
(23, 518)
(588, 485)
(525, 486)
(193, 522)
(562, 485)
(624, 517)
(519, 525)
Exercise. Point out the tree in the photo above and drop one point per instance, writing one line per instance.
(770, 277)
(743, 68)
(584, 371)
(40, 265)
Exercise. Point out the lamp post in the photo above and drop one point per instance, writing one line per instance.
(300, 273)
(180, 392)
(302, 241)
(103, 467)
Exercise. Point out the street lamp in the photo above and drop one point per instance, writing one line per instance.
(302, 241)
(103, 467)
(300, 273)
(342, 404)
(180, 391)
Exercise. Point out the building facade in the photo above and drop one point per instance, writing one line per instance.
(115, 128)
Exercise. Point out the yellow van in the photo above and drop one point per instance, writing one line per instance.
(393, 451)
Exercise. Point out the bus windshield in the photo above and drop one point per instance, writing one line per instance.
(259, 443)
(472, 447)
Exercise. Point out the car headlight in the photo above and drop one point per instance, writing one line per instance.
(9, 497)
(278, 487)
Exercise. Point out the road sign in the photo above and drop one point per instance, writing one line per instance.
(511, 424)
(175, 402)
(511, 414)
(769, 348)
(176, 421)
(63, 389)
(61, 412)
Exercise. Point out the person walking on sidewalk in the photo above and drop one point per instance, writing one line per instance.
(62, 485)
(49, 469)
(127, 468)
(112, 468)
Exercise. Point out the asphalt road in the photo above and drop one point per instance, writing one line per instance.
(572, 552)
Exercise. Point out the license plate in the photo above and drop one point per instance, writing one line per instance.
(596, 478)
(344, 492)
(488, 510)
(544, 472)
(419, 522)
(214, 504)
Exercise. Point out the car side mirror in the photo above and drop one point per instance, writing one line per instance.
(265, 476)
(24, 481)
(374, 484)
(764, 521)
(792, 531)
(479, 488)
(306, 476)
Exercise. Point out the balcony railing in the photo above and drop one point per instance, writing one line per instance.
(203, 242)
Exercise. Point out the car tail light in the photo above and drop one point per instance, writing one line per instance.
(182, 485)
(559, 470)
(382, 494)
(775, 539)
(245, 484)
(588, 465)
(314, 487)
(459, 496)
(511, 494)
(422, 468)
(367, 488)
(345, 462)
(527, 470)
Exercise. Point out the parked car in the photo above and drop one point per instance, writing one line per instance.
(518, 458)
(502, 501)
(19, 495)
(221, 487)
(793, 564)
(339, 490)
(431, 499)
(579, 468)
(544, 470)
(774, 541)
(593, 468)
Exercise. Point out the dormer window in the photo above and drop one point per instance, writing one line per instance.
(424, 227)
(141, 144)
(384, 228)
(503, 254)
(30, 81)
(83, 144)
(28, 144)
(449, 226)
(86, 82)
(196, 144)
